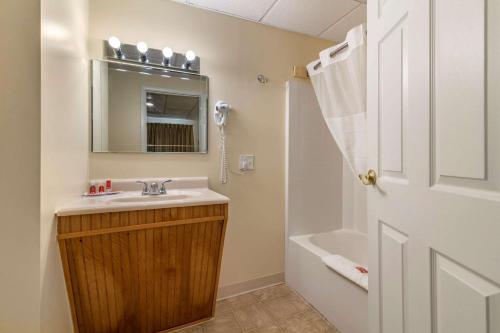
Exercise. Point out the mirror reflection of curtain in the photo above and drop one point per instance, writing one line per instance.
(170, 138)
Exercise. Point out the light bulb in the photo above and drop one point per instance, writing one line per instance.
(167, 52)
(114, 42)
(149, 104)
(142, 47)
(190, 55)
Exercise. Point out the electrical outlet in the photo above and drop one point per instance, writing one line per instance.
(247, 162)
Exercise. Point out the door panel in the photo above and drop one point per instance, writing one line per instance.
(465, 115)
(464, 301)
(434, 141)
(458, 34)
(393, 275)
(388, 8)
(388, 100)
(392, 100)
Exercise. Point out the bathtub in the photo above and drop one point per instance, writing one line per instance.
(342, 302)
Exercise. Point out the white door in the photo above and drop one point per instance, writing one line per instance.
(434, 141)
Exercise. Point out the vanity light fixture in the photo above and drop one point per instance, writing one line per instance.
(143, 50)
(165, 59)
(115, 44)
(190, 56)
(167, 55)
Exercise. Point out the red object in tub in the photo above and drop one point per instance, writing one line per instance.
(362, 269)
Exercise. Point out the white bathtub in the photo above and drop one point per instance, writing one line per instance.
(342, 302)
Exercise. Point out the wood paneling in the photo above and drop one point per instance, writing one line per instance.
(142, 271)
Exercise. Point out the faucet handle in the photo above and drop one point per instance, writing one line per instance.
(162, 189)
(145, 188)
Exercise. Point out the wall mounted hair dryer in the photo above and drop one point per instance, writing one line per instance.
(221, 113)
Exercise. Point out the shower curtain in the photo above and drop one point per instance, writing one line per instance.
(164, 137)
(339, 82)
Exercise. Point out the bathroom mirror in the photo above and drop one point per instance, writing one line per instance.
(146, 109)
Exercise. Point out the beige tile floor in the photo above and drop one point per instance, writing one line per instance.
(271, 310)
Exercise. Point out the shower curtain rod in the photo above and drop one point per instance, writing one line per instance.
(339, 49)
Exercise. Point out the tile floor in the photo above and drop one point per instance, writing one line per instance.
(271, 310)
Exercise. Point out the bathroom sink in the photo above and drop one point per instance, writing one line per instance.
(170, 196)
(182, 192)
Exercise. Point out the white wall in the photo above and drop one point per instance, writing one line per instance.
(64, 141)
(314, 165)
(322, 192)
(354, 201)
(233, 52)
(20, 167)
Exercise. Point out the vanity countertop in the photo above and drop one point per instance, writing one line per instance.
(181, 192)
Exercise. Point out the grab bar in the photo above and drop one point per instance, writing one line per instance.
(339, 49)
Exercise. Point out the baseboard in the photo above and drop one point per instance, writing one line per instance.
(250, 285)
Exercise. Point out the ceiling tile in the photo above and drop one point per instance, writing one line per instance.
(310, 17)
(338, 31)
(252, 9)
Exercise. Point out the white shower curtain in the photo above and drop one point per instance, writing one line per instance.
(340, 86)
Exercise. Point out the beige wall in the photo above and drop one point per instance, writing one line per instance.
(233, 52)
(20, 169)
(64, 141)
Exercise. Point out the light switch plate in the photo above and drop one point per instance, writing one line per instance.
(247, 162)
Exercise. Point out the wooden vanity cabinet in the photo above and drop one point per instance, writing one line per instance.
(142, 271)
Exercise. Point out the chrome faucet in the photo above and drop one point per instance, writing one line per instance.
(153, 189)
(145, 187)
(163, 190)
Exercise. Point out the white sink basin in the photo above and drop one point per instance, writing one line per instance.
(170, 196)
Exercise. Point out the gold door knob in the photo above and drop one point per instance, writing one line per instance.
(369, 179)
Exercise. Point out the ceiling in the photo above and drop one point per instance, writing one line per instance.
(328, 19)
